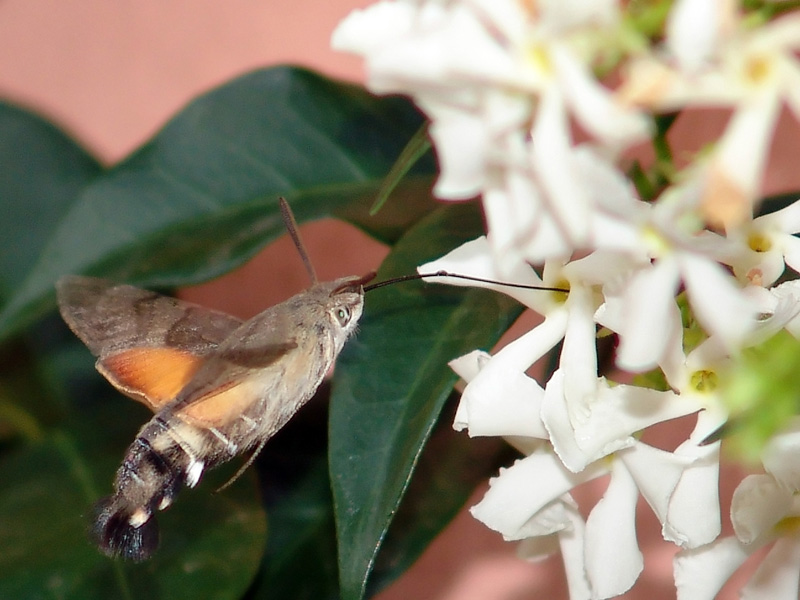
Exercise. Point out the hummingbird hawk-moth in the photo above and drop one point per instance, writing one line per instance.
(218, 386)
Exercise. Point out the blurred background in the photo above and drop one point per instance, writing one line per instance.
(112, 73)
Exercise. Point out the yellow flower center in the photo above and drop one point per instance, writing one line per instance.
(757, 69)
(788, 526)
(759, 242)
(539, 59)
(561, 297)
(657, 243)
(704, 381)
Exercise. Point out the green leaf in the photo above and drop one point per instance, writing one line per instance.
(201, 197)
(41, 173)
(392, 380)
(451, 466)
(300, 561)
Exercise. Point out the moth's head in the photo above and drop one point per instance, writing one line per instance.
(344, 303)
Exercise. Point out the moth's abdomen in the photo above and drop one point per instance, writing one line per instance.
(164, 457)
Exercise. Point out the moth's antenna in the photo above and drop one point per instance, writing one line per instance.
(291, 227)
(523, 286)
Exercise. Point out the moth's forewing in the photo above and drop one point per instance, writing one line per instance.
(147, 345)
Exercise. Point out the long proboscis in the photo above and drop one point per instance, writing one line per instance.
(524, 286)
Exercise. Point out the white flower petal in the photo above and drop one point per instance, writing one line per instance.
(539, 547)
(693, 32)
(370, 29)
(468, 366)
(758, 503)
(778, 308)
(564, 437)
(475, 259)
(613, 559)
(780, 457)
(548, 240)
(786, 219)
(579, 354)
(475, 53)
(693, 516)
(549, 520)
(719, 305)
(616, 233)
(628, 408)
(562, 15)
(650, 318)
(656, 473)
(501, 401)
(567, 200)
(778, 575)
(597, 109)
(741, 152)
(607, 185)
(791, 252)
(460, 139)
(519, 492)
(530, 347)
(508, 18)
(701, 573)
(771, 264)
(572, 542)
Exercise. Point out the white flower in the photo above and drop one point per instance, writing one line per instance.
(605, 421)
(523, 502)
(569, 539)
(499, 399)
(499, 81)
(503, 83)
(767, 245)
(642, 308)
(694, 507)
(716, 58)
(585, 420)
(765, 509)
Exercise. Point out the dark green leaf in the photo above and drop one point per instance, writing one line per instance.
(300, 561)
(449, 469)
(774, 203)
(201, 197)
(41, 173)
(392, 381)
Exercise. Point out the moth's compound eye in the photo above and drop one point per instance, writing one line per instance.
(342, 315)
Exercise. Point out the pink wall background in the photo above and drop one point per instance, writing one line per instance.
(113, 72)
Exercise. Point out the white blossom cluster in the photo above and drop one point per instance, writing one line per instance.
(505, 85)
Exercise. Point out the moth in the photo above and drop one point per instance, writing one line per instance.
(219, 387)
